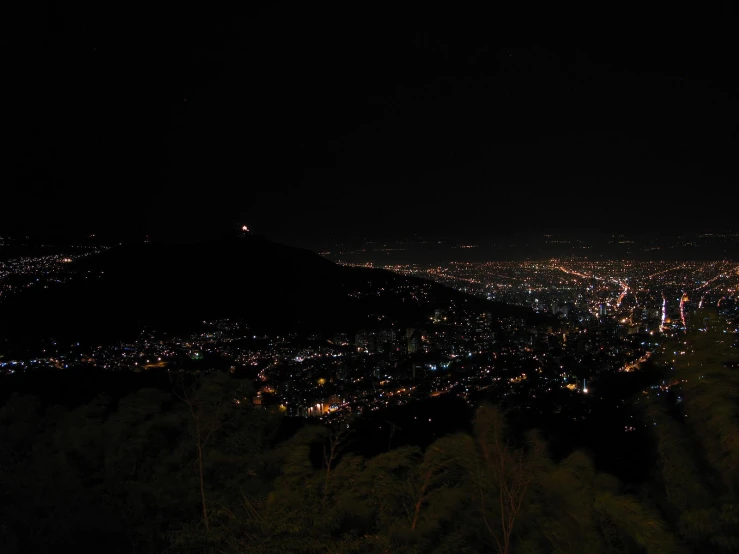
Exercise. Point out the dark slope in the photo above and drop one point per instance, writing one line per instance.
(271, 286)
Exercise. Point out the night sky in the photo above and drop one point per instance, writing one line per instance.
(316, 124)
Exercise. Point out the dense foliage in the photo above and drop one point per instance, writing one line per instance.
(126, 475)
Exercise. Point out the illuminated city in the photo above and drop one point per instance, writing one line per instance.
(317, 279)
(640, 296)
(578, 321)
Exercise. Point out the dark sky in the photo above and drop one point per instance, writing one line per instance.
(314, 123)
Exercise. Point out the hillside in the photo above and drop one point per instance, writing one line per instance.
(271, 286)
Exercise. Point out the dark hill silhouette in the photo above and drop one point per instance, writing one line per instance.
(271, 286)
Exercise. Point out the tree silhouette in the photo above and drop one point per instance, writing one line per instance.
(502, 472)
(338, 433)
(212, 400)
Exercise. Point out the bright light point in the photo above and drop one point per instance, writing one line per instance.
(245, 228)
(585, 391)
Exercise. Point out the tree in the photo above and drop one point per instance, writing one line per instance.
(211, 400)
(577, 509)
(501, 471)
(147, 478)
(338, 433)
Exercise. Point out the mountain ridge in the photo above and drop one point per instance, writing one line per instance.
(269, 285)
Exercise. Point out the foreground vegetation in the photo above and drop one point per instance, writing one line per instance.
(190, 470)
